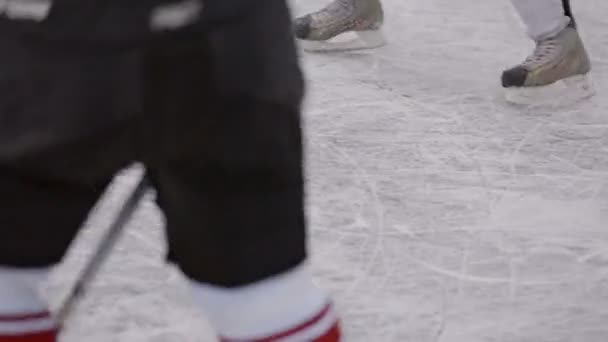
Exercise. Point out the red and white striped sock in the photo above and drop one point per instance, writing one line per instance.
(323, 327)
(24, 316)
(285, 308)
(34, 327)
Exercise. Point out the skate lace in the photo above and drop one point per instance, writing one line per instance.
(336, 11)
(546, 50)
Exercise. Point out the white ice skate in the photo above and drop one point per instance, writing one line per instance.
(556, 73)
(342, 25)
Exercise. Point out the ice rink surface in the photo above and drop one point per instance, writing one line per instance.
(438, 212)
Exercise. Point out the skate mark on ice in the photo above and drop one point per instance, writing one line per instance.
(379, 210)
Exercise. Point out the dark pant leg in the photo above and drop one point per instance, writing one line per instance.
(230, 176)
(62, 141)
(40, 214)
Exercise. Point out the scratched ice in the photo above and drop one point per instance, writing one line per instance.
(438, 212)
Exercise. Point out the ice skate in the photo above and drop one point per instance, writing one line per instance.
(557, 71)
(342, 25)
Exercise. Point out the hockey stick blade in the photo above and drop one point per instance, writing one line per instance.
(102, 252)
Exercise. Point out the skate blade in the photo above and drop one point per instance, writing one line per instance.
(563, 92)
(347, 41)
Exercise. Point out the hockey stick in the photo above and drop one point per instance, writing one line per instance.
(108, 241)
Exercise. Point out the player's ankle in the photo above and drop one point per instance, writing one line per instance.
(286, 305)
(27, 327)
(322, 327)
(24, 315)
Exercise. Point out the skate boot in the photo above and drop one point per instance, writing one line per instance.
(556, 71)
(342, 25)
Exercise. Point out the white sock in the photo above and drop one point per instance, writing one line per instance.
(287, 305)
(22, 310)
(543, 18)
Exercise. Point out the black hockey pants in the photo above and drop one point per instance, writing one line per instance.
(213, 116)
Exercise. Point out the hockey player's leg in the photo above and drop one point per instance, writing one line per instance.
(342, 25)
(39, 222)
(236, 226)
(558, 67)
(542, 18)
(52, 172)
(24, 316)
(236, 229)
(231, 182)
